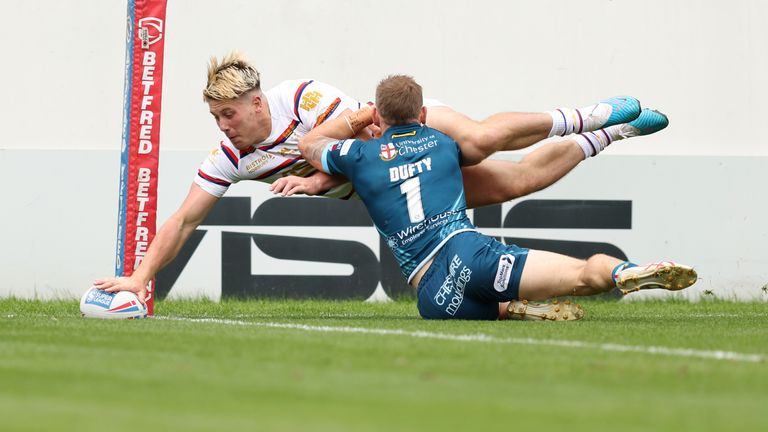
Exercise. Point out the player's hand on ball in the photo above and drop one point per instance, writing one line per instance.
(123, 284)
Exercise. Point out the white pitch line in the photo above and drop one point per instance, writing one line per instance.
(654, 350)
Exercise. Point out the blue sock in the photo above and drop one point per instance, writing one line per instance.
(620, 267)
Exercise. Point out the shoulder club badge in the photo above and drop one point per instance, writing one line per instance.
(388, 152)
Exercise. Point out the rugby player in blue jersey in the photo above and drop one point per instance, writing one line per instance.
(410, 181)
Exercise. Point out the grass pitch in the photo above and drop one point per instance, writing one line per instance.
(351, 366)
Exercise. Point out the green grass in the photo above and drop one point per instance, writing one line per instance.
(61, 372)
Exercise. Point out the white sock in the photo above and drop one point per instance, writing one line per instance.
(566, 121)
(562, 123)
(593, 143)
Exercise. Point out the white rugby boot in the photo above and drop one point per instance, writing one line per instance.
(661, 275)
(555, 311)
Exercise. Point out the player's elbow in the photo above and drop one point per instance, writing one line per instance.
(179, 222)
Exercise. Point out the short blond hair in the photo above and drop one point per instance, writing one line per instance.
(230, 78)
(399, 99)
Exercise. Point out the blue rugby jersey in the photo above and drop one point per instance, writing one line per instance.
(410, 180)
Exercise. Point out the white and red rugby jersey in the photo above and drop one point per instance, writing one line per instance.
(296, 107)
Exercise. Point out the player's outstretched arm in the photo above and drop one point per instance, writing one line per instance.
(347, 124)
(166, 244)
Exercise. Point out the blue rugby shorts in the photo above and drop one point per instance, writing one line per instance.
(470, 275)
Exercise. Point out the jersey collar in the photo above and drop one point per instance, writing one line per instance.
(405, 128)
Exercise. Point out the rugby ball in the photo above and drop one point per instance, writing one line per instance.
(121, 305)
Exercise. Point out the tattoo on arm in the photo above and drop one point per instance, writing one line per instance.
(357, 124)
(314, 151)
(360, 120)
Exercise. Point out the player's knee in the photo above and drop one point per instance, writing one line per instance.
(594, 262)
(598, 260)
(594, 273)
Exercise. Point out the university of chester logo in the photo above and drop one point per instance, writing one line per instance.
(388, 152)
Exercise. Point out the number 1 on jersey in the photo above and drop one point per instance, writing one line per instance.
(412, 190)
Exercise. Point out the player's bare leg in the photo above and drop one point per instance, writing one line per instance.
(496, 181)
(479, 139)
(514, 131)
(549, 275)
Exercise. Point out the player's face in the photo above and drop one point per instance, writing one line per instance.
(244, 120)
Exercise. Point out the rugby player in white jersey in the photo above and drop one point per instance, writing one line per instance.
(262, 130)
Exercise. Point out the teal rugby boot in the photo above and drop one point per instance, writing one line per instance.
(623, 109)
(606, 113)
(649, 121)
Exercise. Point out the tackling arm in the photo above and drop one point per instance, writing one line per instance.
(345, 126)
(166, 244)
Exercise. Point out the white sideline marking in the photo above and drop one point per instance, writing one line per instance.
(656, 350)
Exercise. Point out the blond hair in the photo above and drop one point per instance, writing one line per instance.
(230, 78)
(398, 99)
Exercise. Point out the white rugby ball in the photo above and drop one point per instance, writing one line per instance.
(121, 305)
